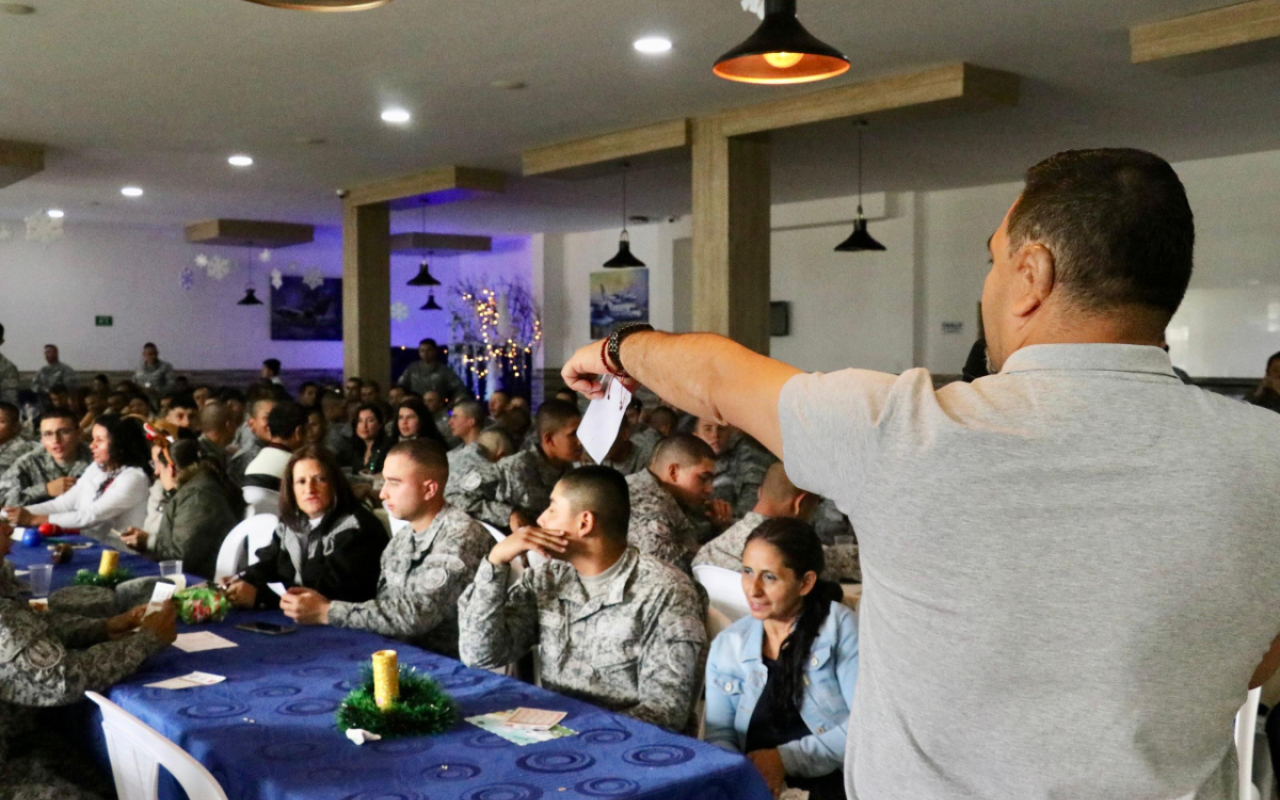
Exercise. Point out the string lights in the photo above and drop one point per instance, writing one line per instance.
(496, 329)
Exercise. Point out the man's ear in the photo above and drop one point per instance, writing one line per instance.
(586, 523)
(673, 472)
(1034, 271)
(430, 488)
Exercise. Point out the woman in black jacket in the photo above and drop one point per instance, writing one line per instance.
(325, 541)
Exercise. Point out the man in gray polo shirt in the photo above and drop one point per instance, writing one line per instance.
(1070, 566)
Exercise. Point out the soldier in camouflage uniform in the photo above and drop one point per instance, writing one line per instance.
(51, 471)
(662, 423)
(522, 484)
(425, 567)
(51, 659)
(493, 445)
(740, 464)
(678, 479)
(610, 625)
(778, 498)
(428, 374)
(625, 456)
(12, 445)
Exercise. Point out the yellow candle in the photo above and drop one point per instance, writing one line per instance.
(386, 678)
(110, 558)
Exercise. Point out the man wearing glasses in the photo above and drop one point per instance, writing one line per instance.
(47, 473)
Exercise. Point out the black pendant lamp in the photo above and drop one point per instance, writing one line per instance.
(424, 276)
(781, 51)
(859, 241)
(624, 258)
(431, 304)
(250, 298)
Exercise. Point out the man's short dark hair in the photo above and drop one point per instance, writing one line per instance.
(1118, 224)
(662, 413)
(307, 384)
(470, 408)
(683, 449)
(59, 412)
(426, 453)
(59, 388)
(230, 394)
(272, 364)
(554, 415)
(284, 420)
(152, 345)
(183, 400)
(431, 342)
(10, 410)
(603, 492)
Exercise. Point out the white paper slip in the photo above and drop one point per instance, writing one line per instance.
(535, 719)
(200, 641)
(278, 588)
(599, 427)
(188, 681)
(159, 594)
(19, 573)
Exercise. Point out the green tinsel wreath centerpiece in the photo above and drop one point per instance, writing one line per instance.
(90, 577)
(423, 708)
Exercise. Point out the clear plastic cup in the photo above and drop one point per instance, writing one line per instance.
(40, 578)
(172, 571)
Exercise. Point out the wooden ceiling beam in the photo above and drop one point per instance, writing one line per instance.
(249, 233)
(1206, 31)
(590, 157)
(19, 160)
(441, 185)
(439, 243)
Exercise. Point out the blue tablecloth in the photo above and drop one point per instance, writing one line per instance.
(268, 731)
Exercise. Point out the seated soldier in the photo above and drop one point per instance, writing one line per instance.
(12, 445)
(661, 424)
(740, 464)
(50, 472)
(425, 567)
(252, 436)
(611, 626)
(521, 485)
(676, 485)
(778, 498)
(217, 431)
(466, 421)
(624, 456)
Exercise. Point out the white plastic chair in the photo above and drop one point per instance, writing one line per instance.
(260, 501)
(1246, 728)
(138, 751)
(240, 548)
(724, 588)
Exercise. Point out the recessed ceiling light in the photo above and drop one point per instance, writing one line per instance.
(396, 116)
(17, 8)
(653, 45)
(240, 161)
(322, 5)
(131, 191)
(55, 213)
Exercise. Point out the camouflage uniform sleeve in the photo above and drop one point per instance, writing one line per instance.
(652, 536)
(671, 661)
(477, 494)
(27, 487)
(426, 599)
(719, 553)
(75, 631)
(496, 625)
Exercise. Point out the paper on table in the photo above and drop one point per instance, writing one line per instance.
(496, 723)
(536, 719)
(201, 640)
(599, 426)
(188, 681)
(159, 594)
(278, 588)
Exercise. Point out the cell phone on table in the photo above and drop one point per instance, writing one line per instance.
(269, 628)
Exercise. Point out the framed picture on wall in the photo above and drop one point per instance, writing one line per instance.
(618, 297)
(300, 312)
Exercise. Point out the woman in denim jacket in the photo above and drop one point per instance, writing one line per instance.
(780, 682)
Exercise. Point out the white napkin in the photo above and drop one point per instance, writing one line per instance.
(360, 736)
(200, 641)
(599, 426)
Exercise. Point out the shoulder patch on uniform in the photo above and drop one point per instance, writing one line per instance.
(43, 654)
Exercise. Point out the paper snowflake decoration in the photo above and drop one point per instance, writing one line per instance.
(754, 7)
(277, 278)
(264, 256)
(187, 278)
(399, 312)
(43, 228)
(314, 278)
(6, 233)
(293, 267)
(202, 261)
(218, 267)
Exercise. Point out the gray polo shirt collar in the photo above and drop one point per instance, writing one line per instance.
(1131, 358)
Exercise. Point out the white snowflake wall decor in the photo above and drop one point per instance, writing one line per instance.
(264, 256)
(399, 312)
(218, 268)
(314, 278)
(43, 229)
(293, 267)
(277, 278)
(202, 261)
(187, 278)
(754, 7)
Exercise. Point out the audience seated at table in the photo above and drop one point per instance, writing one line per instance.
(201, 507)
(523, 483)
(252, 435)
(12, 444)
(112, 492)
(325, 541)
(286, 427)
(610, 625)
(662, 497)
(780, 682)
(426, 566)
(50, 471)
(217, 431)
(372, 441)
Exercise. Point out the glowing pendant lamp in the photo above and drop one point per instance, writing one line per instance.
(859, 241)
(624, 258)
(781, 51)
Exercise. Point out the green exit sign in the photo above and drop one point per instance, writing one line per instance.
(103, 322)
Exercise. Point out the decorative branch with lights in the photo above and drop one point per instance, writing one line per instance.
(494, 332)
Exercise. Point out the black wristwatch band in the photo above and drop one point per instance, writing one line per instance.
(615, 342)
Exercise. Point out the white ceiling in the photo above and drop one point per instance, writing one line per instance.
(159, 92)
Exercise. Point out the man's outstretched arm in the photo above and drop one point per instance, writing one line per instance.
(701, 373)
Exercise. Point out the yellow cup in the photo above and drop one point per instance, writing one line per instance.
(110, 560)
(386, 678)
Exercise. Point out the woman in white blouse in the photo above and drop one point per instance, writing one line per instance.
(112, 493)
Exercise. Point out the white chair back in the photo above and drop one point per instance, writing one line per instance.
(1246, 727)
(724, 589)
(240, 548)
(260, 501)
(137, 752)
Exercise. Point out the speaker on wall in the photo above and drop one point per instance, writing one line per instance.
(779, 318)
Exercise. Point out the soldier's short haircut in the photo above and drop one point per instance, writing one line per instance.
(777, 486)
(602, 491)
(662, 415)
(682, 449)
(554, 415)
(497, 440)
(426, 453)
(61, 412)
(471, 408)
